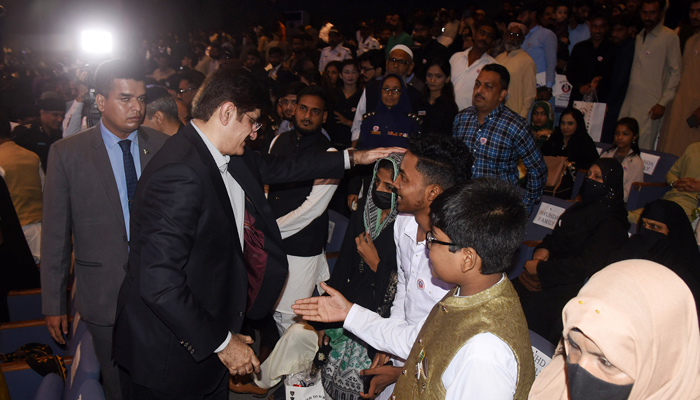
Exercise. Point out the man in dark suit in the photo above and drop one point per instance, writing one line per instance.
(90, 181)
(206, 250)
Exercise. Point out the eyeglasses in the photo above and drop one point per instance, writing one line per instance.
(430, 239)
(365, 69)
(515, 35)
(390, 90)
(181, 91)
(255, 125)
(397, 61)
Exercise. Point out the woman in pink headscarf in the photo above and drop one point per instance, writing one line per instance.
(631, 333)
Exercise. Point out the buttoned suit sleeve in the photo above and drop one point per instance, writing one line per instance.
(169, 211)
(55, 236)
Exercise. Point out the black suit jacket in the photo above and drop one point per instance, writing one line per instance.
(187, 283)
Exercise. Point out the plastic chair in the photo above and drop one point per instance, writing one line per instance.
(601, 146)
(664, 165)
(642, 193)
(50, 388)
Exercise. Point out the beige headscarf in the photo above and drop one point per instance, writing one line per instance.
(642, 317)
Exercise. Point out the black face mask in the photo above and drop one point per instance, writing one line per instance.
(592, 190)
(381, 199)
(584, 386)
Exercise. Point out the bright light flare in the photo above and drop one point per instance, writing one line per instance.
(96, 42)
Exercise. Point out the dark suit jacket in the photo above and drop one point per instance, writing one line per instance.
(81, 199)
(187, 283)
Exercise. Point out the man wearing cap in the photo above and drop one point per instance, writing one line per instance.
(39, 136)
(467, 65)
(523, 72)
(161, 111)
(334, 51)
(90, 183)
(400, 62)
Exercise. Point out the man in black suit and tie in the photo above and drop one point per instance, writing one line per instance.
(205, 248)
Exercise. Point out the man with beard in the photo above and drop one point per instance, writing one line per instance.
(591, 63)
(578, 28)
(467, 65)
(523, 72)
(298, 62)
(425, 48)
(656, 73)
(676, 133)
(287, 105)
(301, 207)
(372, 64)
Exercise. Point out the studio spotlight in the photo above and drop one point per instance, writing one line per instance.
(96, 42)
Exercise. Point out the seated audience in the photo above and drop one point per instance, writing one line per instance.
(579, 246)
(391, 124)
(440, 106)
(39, 136)
(626, 151)
(541, 122)
(474, 344)
(684, 178)
(631, 333)
(571, 140)
(665, 236)
(331, 75)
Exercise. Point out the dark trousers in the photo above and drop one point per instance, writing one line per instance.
(134, 391)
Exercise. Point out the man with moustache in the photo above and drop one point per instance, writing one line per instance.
(656, 73)
(425, 48)
(498, 137)
(90, 183)
(206, 251)
(523, 85)
(301, 207)
(467, 65)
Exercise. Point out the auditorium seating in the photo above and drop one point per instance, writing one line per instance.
(337, 225)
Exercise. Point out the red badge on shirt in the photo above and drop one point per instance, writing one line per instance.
(483, 141)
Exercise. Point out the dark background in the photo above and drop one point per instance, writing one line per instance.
(54, 25)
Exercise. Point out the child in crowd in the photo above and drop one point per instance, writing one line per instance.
(474, 344)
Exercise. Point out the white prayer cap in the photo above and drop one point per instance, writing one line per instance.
(522, 27)
(403, 47)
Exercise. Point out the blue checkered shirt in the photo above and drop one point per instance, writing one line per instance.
(498, 144)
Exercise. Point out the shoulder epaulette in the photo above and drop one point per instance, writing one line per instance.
(369, 114)
(415, 118)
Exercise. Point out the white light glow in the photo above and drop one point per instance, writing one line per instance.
(96, 42)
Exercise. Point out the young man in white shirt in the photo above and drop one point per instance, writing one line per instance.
(432, 164)
(474, 344)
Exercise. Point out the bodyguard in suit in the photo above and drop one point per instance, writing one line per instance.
(90, 182)
(205, 248)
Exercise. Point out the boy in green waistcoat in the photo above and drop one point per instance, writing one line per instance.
(475, 343)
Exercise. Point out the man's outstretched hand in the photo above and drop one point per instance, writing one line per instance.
(365, 157)
(333, 308)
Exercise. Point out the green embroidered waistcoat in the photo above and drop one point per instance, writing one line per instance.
(451, 323)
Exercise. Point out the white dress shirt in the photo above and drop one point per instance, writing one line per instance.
(339, 53)
(416, 294)
(464, 75)
(235, 194)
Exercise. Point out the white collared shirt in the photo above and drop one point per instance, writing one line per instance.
(464, 75)
(416, 293)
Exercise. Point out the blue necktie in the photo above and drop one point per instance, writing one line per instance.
(129, 169)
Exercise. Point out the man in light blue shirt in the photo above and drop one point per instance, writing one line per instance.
(578, 27)
(540, 44)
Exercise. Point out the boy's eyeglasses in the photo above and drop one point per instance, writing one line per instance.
(430, 239)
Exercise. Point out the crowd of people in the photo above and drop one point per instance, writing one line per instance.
(188, 186)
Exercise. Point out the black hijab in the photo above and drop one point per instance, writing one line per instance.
(678, 250)
(576, 223)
